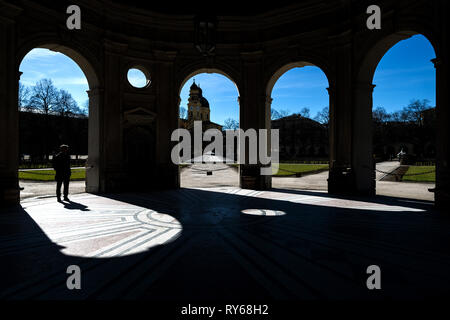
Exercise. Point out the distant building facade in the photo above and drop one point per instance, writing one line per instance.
(301, 138)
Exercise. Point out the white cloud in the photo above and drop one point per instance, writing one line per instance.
(40, 53)
(58, 82)
(137, 81)
(384, 73)
(70, 81)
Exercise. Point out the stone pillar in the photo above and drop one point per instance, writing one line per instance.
(167, 102)
(442, 65)
(268, 125)
(341, 175)
(94, 164)
(442, 191)
(331, 129)
(363, 163)
(112, 174)
(253, 115)
(9, 114)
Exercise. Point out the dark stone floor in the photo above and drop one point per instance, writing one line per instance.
(224, 244)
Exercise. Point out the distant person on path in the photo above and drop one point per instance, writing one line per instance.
(61, 164)
(401, 154)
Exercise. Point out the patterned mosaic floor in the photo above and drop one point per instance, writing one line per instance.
(224, 243)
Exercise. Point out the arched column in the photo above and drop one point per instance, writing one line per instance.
(9, 113)
(363, 164)
(442, 191)
(167, 109)
(341, 175)
(112, 175)
(268, 123)
(94, 163)
(331, 136)
(253, 115)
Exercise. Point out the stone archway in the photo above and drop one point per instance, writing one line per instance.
(308, 149)
(192, 71)
(95, 99)
(188, 74)
(230, 176)
(363, 162)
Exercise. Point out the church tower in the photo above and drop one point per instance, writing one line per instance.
(198, 106)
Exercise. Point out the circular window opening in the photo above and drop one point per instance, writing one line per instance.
(138, 78)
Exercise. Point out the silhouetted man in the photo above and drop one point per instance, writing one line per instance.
(61, 164)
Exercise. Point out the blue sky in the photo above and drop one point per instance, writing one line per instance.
(64, 72)
(404, 73)
(221, 93)
(301, 88)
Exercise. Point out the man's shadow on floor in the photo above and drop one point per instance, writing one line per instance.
(71, 205)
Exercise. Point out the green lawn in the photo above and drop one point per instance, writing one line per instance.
(414, 174)
(291, 169)
(49, 175)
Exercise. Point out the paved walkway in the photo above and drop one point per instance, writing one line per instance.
(196, 176)
(47, 189)
(409, 190)
(387, 166)
(225, 244)
(310, 182)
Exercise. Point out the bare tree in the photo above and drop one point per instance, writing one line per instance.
(44, 96)
(284, 113)
(399, 116)
(275, 114)
(323, 116)
(414, 111)
(183, 113)
(305, 112)
(380, 115)
(66, 105)
(231, 124)
(24, 96)
(85, 108)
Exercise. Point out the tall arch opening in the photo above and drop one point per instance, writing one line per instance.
(58, 101)
(401, 111)
(209, 101)
(299, 109)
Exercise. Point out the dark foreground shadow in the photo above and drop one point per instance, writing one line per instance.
(312, 251)
(71, 205)
(380, 199)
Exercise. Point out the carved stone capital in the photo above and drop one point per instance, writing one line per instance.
(95, 92)
(364, 86)
(436, 62)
